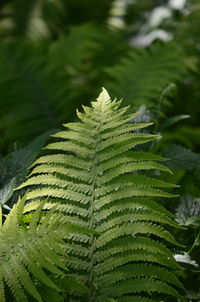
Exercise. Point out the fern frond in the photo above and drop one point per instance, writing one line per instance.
(139, 243)
(139, 270)
(126, 204)
(29, 253)
(94, 180)
(143, 74)
(134, 228)
(129, 180)
(71, 173)
(128, 168)
(125, 129)
(69, 160)
(140, 285)
(53, 180)
(134, 215)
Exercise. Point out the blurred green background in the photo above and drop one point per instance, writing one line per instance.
(55, 55)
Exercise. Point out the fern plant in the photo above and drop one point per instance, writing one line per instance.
(32, 265)
(93, 177)
(143, 74)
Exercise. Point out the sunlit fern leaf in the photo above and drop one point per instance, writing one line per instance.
(91, 180)
(31, 253)
(141, 76)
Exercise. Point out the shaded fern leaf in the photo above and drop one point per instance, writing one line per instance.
(188, 211)
(32, 254)
(35, 99)
(143, 74)
(91, 180)
(181, 158)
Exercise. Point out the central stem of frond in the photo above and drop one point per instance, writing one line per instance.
(92, 224)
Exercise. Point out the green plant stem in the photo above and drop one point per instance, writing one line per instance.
(194, 244)
(92, 221)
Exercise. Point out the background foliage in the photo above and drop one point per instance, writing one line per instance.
(55, 55)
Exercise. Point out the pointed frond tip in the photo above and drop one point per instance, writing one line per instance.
(104, 100)
(104, 96)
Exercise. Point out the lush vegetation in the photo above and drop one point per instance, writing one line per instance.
(109, 209)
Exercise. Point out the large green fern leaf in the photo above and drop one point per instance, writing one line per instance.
(94, 180)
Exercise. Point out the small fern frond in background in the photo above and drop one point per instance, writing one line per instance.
(93, 177)
(143, 74)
